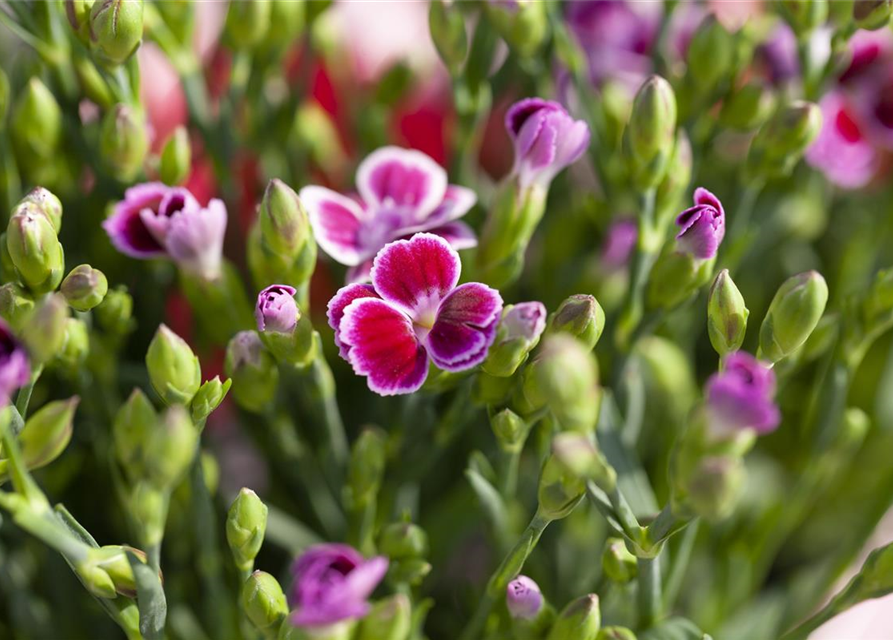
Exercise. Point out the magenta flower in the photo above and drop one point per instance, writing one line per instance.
(332, 583)
(138, 226)
(619, 244)
(401, 192)
(276, 309)
(14, 369)
(546, 140)
(778, 55)
(842, 151)
(523, 598)
(701, 227)
(412, 312)
(741, 396)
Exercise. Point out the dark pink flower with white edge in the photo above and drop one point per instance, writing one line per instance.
(401, 192)
(138, 227)
(701, 227)
(842, 151)
(742, 395)
(412, 312)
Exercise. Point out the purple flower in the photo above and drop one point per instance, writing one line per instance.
(779, 55)
(619, 244)
(276, 309)
(195, 239)
(525, 320)
(841, 151)
(546, 140)
(741, 395)
(523, 598)
(138, 226)
(701, 227)
(14, 369)
(332, 582)
(412, 312)
(401, 192)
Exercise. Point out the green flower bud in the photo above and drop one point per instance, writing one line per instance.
(782, 141)
(287, 21)
(45, 435)
(16, 305)
(285, 227)
(84, 287)
(47, 203)
(115, 313)
(580, 620)
(581, 316)
(93, 85)
(564, 378)
(44, 332)
(402, 540)
(872, 14)
(615, 633)
(112, 560)
(133, 424)
(710, 54)
(675, 278)
(389, 619)
(366, 468)
(726, 315)
(176, 158)
(447, 26)
(116, 29)
(517, 335)
(35, 126)
(713, 486)
(173, 368)
(618, 563)
(254, 373)
(583, 460)
(75, 346)
(523, 25)
(409, 571)
(123, 143)
(78, 12)
(247, 22)
(246, 524)
(298, 348)
(748, 107)
(209, 397)
(170, 448)
(560, 490)
(804, 16)
(795, 311)
(263, 601)
(35, 249)
(148, 505)
(651, 130)
(510, 430)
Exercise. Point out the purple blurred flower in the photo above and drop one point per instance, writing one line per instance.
(701, 227)
(195, 239)
(524, 320)
(401, 192)
(14, 369)
(138, 227)
(779, 55)
(841, 151)
(741, 396)
(523, 598)
(619, 244)
(413, 311)
(276, 309)
(546, 140)
(332, 583)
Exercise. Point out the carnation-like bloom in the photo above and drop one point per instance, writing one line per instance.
(195, 239)
(401, 192)
(701, 227)
(619, 244)
(523, 598)
(332, 583)
(741, 396)
(276, 309)
(14, 369)
(525, 320)
(842, 151)
(546, 140)
(413, 311)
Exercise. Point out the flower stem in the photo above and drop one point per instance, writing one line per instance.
(646, 254)
(23, 399)
(649, 592)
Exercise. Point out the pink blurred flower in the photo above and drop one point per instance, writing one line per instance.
(842, 151)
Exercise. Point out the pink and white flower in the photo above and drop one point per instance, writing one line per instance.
(401, 192)
(412, 312)
(842, 151)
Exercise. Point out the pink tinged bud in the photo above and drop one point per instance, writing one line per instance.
(525, 320)
(276, 309)
(701, 227)
(523, 598)
(14, 369)
(741, 396)
(619, 244)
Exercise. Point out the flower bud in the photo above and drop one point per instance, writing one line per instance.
(35, 249)
(748, 107)
(710, 54)
(247, 22)
(581, 316)
(208, 398)
(618, 563)
(47, 203)
(276, 309)
(285, 227)
(16, 305)
(176, 158)
(675, 278)
(84, 287)
(523, 25)
(615, 633)
(114, 313)
(523, 598)
(263, 601)
(583, 460)
(410, 571)
(35, 126)
(253, 371)
(447, 26)
(173, 368)
(517, 334)
(113, 561)
(246, 524)
(93, 85)
(45, 435)
(366, 468)
(652, 129)
(388, 619)
(580, 620)
(44, 332)
(559, 491)
(872, 15)
(133, 424)
(726, 315)
(78, 13)
(123, 143)
(794, 312)
(116, 29)
(510, 430)
(403, 540)
(170, 448)
(782, 141)
(287, 20)
(75, 345)
(804, 16)
(714, 486)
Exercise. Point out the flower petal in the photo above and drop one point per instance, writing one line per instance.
(402, 178)
(125, 226)
(157, 219)
(383, 347)
(360, 273)
(337, 222)
(195, 239)
(456, 203)
(702, 196)
(458, 234)
(338, 303)
(416, 274)
(361, 582)
(465, 327)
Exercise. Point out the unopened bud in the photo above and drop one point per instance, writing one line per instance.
(402, 540)
(75, 345)
(517, 334)
(715, 485)
(47, 203)
(173, 368)
(710, 54)
(726, 315)
(618, 563)
(410, 571)
(253, 371)
(116, 29)
(366, 468)
(176, 158)
(510, 430)
(580, 620)
(133, 424)
(581, 316)
(560, 490)
(782, 141)
(675, 278)
(804, 16)
(247, 22)
(44, 332)
(523, 598)
(45, 435)
(447, 26)
(209, 397)
(388, 619)
(170, 448)
(748, 107)
(872, 15)
(16, 305)
(615, 633)
(651, 130)
(78, 13)
(113, 561)
(287, 20)
(263, 601)
(35, 249)
(285, 227)
(795, 311)
(84, 287)
(115, 313)
(35, 125)
(123, 142)
(523, 25)
(246, 525)
(583, 460)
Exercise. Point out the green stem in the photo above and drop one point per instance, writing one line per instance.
(649, 591)
(23, 399)
(803, 631)
(740, 236)
(646, 254)
(680, 564)
(322, 391)
(508, 482)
